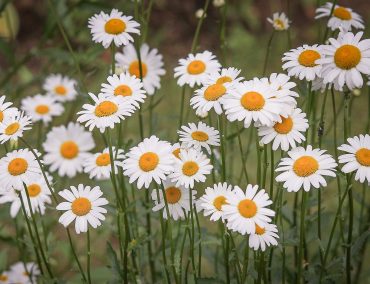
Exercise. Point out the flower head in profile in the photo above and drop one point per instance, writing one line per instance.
(195, 68)
(150, 70)
(264, 237)
(341, 18)
(305, 168)
(66, 149)
(6, 109)
(60, 87)
(279, 21)
(345, 60)
(151, 159)
(357, 157)
(12, 127)
(84, 206)
(113, 28)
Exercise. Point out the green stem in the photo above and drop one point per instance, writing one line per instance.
(88, 257)
(222, 146)
(242, 154)
(267, 52)
(301, 236)
(327, 27)
(75, 256)
(197, 30)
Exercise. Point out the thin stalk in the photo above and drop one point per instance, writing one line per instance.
(326, 26)
(272, 172)
(267, 52)
(246, 260)
(149, 232)
(75, 256)
(242, 154)
(88, 257)
(199, 245)
(258, 160)
(225, 248)
(222, 146)
(197, 30)
(301, 236)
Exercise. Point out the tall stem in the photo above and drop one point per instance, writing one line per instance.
(301, 236)
(76, 257)
(222, 140)
(267, 53)
(88, 257)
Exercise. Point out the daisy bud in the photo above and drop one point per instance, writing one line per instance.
(199, 14)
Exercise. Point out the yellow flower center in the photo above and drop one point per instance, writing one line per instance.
(69, 150)
(1, 116)
(279, 24)
(42, 109)
(214, 92)
(4, 277)
(196, 67)
(219, 201)
(81, 206)
(105, 108)
(134, 69)
(224, 79)
(252, 101)
(200, 136)
(173, 195)
(305, 166)
(190, 168)
(17, 166)
(363, 157)
(12, 128)
(259, 230)
(307, 58)
(33, 190)
(285, 126)
(342, 13)
(122, 90)
(148, 161)
(176, 153)
(115, 26)
(103, 160)
(347, 56)
(247, 208)
(60, 90)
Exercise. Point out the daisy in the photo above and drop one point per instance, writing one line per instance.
(150, 159)
(20, 274)
(357, 158)
(280, 22)
(287, 133)
(281, 82)
(305, 167)
(125, 86)
(194, 69)
(66, 149)
(151, 65)
(264, 237)
(12, 128)
(6, 110)
(176, 148)
(346, 58)
(84, 205)
(62, 88)
(18, 167)
(177, 198)
(193, 166)
(98, 165)
(42, 108)
(4, 277)
(302, 62)
(253, 101)
(114, 27)
(245, 210)
(199, 136)
(341, 18)
(104, 112)
(213, 200)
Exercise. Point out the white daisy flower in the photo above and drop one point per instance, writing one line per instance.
(193, 166)
(125, 86)
(357, 158)
(151, 65)
(346, 59)
(12, 127)
(4, 277)
(302, 62)
(98, 165)
(60, 87)
(342, 17)
(42, 108)
(279, 82)
(225, 75)
(253, 101)
(18, 167)
(20, 274)
(151, 159)
(199, 136)
(84, 205)
(114, 27)
(214, 198)
(245, 210)
(177, 199)
(6, 109)
(264, 237)
(38, 192)
(176, 148)
(287, 133)
(104, 112)
(194, 69)
(280, 22)
(66, 149)
(305, 167)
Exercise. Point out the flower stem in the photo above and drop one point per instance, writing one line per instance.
(75, 256)
(88, 257)
(267, 53)
(242, 155)
(301, 236)
(222, 146)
